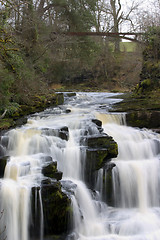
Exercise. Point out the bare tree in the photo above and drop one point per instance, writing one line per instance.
(117, 14)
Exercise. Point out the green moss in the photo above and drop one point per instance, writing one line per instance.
(6, 123)
(146, 83)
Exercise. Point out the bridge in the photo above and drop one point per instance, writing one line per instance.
(123, 35)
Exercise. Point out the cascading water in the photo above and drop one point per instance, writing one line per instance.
(135, 210)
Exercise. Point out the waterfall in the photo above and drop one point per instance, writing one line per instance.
(130, 212)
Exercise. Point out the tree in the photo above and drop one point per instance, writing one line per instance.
(115, 15)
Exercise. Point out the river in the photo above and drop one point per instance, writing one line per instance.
(135, 213)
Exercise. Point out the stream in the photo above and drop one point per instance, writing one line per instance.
(134, 213)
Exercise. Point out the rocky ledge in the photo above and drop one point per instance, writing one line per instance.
(38, 104)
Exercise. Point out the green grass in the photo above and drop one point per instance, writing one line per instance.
(125, 46)
(128, 46)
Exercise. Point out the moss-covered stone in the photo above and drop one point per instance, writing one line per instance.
(59, 98)
(56, 210)
(51, 171)
(103, 147)
(71, 94)
(37, 104)
(6, 123)
(147, 119)
(99, 152)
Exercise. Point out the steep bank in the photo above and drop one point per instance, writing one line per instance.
(143, 104)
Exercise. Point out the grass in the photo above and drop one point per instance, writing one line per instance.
(125, 46)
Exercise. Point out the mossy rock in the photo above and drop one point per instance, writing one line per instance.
(56, 210)
(59, 98)
(51, 171)
(105, 143)
(6, 123)
(100, 151)
(141, 119)
(71, 94)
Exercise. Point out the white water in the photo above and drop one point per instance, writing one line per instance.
(136, 178)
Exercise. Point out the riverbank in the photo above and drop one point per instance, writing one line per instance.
(142, 111)
(37, 104)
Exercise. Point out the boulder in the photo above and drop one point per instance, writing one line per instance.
(98, 154)
(98, 124)
(64, 133)
(101, 149)
(56, 210)
(51, 171)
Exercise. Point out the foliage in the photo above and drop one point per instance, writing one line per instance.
(150, 75)
(152, 40)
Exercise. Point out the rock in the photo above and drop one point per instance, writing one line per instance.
(59, 98)
(99, 152)
(3, 162)
(72, 94)
(56, 210)
(4, 141)
(97, 122)
(107, 191)
(96, 158)
(104, 143)
(21, 121)
(51, 171)
(68, 110)
(2, 151)
(63, 132)
(141, 119)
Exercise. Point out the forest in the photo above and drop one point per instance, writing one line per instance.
(42, 49)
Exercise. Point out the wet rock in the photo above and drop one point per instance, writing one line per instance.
(63, 132)
(59, 98)
(3, 162)
(72, 94)
(4, 141)
(21, 121)
(103, 146)
(99, 153)
(148, 119)
(56, 209)
(68, 187)
(47, 159)
(107, 191)
(68, 110)
(46, 181)
(97, 122)
(51, 171)
(2, 151)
